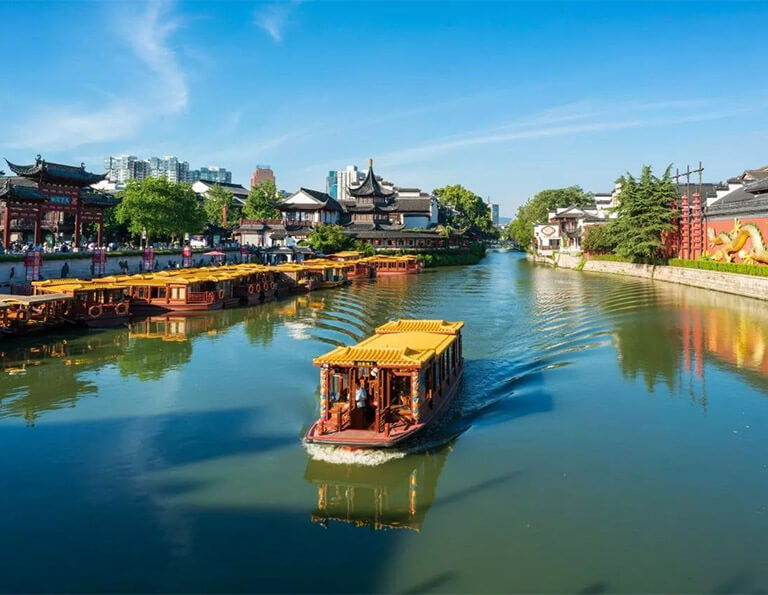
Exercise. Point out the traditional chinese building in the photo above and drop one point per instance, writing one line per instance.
(373, 211)
(50, 197)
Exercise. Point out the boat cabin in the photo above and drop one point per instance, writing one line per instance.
(390, 386)
(195, 291)
(328, 273)
(24, 314)
(396, 265)
(94, 303)
(296, 278)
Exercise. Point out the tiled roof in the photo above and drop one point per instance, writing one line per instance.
(370, 187)
(56, 172)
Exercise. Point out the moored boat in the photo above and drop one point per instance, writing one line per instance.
(388, 388)
(395, 265)
(25, 314)
(94, 303)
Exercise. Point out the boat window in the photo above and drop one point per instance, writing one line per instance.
(400, 394)
(338, 388)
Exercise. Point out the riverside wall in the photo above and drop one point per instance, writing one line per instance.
(744, 285)
(12, 272)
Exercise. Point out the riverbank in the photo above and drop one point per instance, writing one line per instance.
(733, 283)
(469, 256)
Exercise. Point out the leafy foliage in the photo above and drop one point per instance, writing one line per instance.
(215, 201)
(723, 267)
(463, 208)
(440, 258)
(330, 238)
(598, 239)
(536, 210)
(162, 208)
(644, 213)
(261, 202)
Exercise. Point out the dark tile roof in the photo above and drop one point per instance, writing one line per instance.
(414, 205)
(94, 197)
(324, 201)
(737, 203)
(21, 189)
(237, 190)
(57, 173)
(757, 187)
(370, 187)
(757, 174)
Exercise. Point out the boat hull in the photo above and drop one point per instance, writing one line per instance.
(367, 439)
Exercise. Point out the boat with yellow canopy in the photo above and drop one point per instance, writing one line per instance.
(95, 303)
(389, 387)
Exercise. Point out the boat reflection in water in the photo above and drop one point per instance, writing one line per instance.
(394, 495)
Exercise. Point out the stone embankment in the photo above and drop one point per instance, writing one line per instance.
(744, 285)
(12, 272)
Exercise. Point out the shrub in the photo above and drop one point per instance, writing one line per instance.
(723, 267)
(598, 239)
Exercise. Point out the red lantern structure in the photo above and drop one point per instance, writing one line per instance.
(33, 261)
(99, 262)
(148, 259)
(245, 254)
(186, 256)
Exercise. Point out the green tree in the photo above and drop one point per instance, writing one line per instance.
(644, 214)
(598, 239)
(330, 238)
(161, 208)
(216, 201)
(460, 207)
(536, 210)
(261, 202)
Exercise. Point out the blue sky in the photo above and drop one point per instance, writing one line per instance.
(505, 98)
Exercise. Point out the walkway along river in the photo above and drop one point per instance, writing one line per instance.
(609, 436)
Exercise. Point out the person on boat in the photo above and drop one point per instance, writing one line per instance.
(361, 406)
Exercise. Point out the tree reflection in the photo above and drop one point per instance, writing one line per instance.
(647, 341)
(145, 360)
(27, 373)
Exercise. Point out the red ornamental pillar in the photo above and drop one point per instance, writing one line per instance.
(99, 261)
(6, 225)
(696, 231)
(186, 256)
(78, 224)
(38, 217)
(148, 259)
(100, 233)
(685, 231)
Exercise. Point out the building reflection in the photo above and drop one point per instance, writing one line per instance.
(675, 330)
(394, 495)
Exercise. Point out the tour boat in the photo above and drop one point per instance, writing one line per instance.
(409, 371)
(395, 265)
(329, 273)
(196, 291)
(296, 278)
(253, 283)
(25, 314)
(94, 303)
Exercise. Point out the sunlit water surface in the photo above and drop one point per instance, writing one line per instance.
(609, 436)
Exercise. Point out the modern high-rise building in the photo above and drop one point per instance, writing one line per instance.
(495, 214)
(122, 168)
(261, 174)
(214, 173)
(332, 185)
(349, 176)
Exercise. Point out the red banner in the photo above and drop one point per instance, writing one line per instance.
(99, 262)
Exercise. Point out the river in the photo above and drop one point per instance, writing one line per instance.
(609, 436)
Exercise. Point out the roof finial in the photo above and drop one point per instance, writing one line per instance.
(370, 162)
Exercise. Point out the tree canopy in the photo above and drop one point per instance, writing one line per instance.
(215, 201)
(462, 208)
(598, 239)
(330, 238)
(644, 214)
(536, 210)
(261, 201)
(161, 208)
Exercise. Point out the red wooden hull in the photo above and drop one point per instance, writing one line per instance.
(372, 439)
(107, 321)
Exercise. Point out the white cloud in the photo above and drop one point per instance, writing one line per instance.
(162, 92)
(274, 16)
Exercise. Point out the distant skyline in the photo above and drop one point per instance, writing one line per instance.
(506, 98)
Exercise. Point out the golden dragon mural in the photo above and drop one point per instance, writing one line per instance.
(726, 245)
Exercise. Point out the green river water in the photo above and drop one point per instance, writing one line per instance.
(609, 435)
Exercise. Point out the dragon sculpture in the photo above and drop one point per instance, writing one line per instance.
(727, 245)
